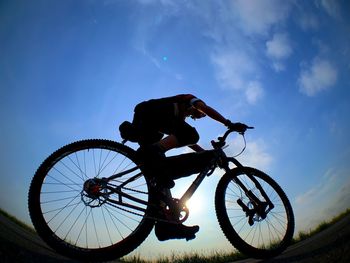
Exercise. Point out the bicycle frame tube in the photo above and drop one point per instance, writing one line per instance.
(121, 203)
(199, 179)
(234, 161)
(114, 176)
(194, 186)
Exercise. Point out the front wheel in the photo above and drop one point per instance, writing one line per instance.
(81, 214)
(257, 227)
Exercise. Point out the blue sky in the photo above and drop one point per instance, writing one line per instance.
(72, 70)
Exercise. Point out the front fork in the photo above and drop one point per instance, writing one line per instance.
(259, 207)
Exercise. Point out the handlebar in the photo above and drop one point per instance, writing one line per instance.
(240, 128)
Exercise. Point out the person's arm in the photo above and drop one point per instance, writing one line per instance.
(209, 111)
(196, 148)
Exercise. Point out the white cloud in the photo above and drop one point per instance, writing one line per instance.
(322, 75)
(278, 66)
(255, 154)
(279, 46)
(233, 67)
(254, 92)
(236, 70)
(258, 16)
(278, 49)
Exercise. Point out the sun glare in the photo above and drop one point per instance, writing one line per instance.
(195, 204)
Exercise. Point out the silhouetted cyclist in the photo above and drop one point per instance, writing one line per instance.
(156, 117)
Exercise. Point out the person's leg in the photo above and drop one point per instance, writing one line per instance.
(168, 143)
(185, 134)
(153, 154)
(181, 134)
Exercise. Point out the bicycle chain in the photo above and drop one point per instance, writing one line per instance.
(133, 190)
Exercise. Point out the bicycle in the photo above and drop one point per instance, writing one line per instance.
(90, 200)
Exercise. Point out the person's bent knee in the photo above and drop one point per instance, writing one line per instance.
(189, 137)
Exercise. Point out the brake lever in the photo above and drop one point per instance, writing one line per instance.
(246, 128)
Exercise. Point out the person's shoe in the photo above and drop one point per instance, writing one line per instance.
(165, 231)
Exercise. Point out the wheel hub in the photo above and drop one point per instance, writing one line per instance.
(92, 188)
(94, 192)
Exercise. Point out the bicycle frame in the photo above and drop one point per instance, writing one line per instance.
(220, 159)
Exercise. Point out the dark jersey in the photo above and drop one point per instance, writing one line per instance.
(171, 107)
(156, 117)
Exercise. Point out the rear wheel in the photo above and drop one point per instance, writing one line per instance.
(258, 231)
(78, 213)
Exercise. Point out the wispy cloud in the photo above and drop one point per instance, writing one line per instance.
(233, 67)
(323, 188)
(257, 17)
(320, 76)
(255, 155)
(279, 46)
(235, 70)
(163, 2)
(254, 92)
(330, 196)
(230, 26)
(235, 59)
(308, 21)
(331, 7)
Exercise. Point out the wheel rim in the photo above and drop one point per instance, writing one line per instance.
(75, 202)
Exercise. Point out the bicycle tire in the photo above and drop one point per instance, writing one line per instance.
(234, 222)
(42, 184)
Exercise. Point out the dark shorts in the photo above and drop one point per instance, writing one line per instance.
(153, 119)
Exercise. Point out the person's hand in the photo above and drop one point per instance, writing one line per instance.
(237, 126)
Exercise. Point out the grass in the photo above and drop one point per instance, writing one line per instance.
(302, 235)
(196, 257)
(17, 221)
